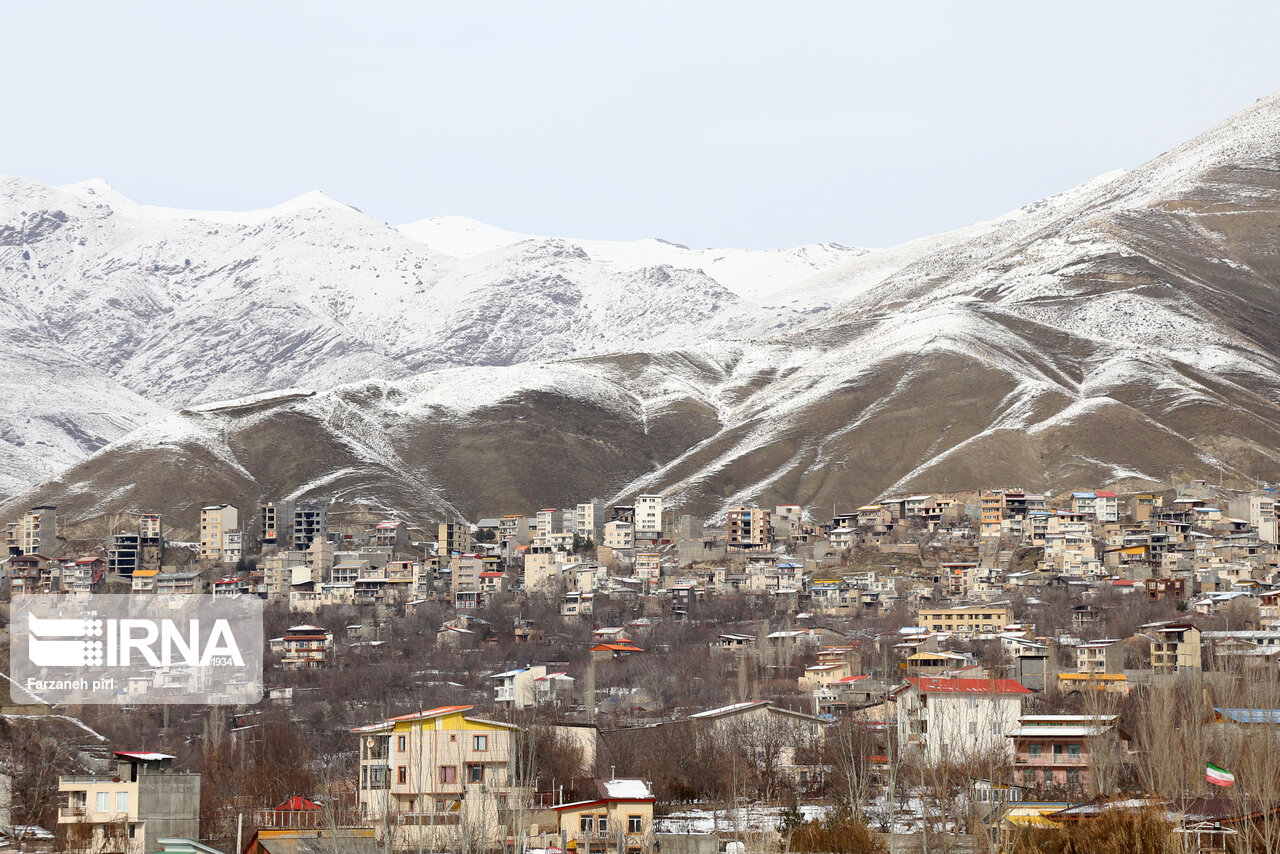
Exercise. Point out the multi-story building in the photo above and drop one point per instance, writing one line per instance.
(310, 523)
(517, 689)
(277, 523)
(550, 520)
(991, 513)
(439, 774)
(589, 519)
(232, 546)
(303, 647)
(1059, 751)
(976, 619)
(124, 553)
(619, 536)
(1100, 656)
(215, 520)
(131, 808)
(648, 568)
(1175, 648)
(648, 517)
(453, 538)
(959, 719)
(464, 578)
(37, 531)
(542, 568)
(749, 528)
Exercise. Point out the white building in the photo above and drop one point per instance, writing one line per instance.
(959, 720)
(619, 536)
(648, 517)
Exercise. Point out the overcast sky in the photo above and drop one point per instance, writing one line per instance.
(710, 124)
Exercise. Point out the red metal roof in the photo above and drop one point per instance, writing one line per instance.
(297, 804)
(938, 685)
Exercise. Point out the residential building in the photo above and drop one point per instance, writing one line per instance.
(129, 809)
(232, 546)
(517, 689)
(38, 531)
(971, 620)
(648, 568)
(453, 538)
(1100, 656)
(277, 523)
(392, 535)
(749, 528)
(991, 512)
(618, 819)
(304, 647)
(437, 770)
(619, 536)
(214, 521)
(1175, 648)
(648, 517)
(589, 519)
(959, 720)
(310, 523)
(124, 553)
(1060, 751)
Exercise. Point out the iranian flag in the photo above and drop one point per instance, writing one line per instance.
(1219, 776)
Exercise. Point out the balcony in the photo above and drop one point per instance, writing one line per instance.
(1045, 760)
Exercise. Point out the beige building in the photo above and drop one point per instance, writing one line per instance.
(619, 536)
(750, 528)
(1175, 648)
(971, 620)
(129, 810)
(37, 531)
(216, 520)
(619, 819)
(453, 538)
(440, 778)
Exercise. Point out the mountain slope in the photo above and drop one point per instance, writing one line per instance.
(1126, 331)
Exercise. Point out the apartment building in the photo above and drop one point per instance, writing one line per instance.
(959, 719)
(517, 689)
(439, 773)
(648, 517)
(619, 536)
(130, 809)
(972, 620)
(749, 528)
(304, 647)
(1057, 751)
(589, 519)
(37, 531)
(277, 523)
(1175, 648)
(215, 520)
(453, 538)
(310, 523)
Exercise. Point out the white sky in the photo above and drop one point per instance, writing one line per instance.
(710, 124)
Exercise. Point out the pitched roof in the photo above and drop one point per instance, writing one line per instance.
(938, 685)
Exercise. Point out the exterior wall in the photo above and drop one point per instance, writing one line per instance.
(431, 804)
(958, 727)
(648, 519)
(965, 621)
(627, 822)
(214, 522)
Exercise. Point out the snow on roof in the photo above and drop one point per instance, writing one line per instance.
(625, 789)
(143, 756)
(730, 709)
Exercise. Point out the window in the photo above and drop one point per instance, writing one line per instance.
(1073, 751)
(475, 773)
(104, 801)
(586, 823)
(1034, 751)
(480, 742)
(602, 824)
(122, 801)
(635, 824)
(448, 773)
(400, 743)
(133, 831)
(402, 775)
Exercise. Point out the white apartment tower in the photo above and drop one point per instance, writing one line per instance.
(648, 517)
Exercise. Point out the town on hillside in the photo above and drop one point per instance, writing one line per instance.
(992, 670)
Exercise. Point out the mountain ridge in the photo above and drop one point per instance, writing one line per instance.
(1124, 330)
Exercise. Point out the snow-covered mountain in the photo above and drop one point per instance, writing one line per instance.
(1126, 330)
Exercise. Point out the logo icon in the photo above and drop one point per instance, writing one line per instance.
(55, 642)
